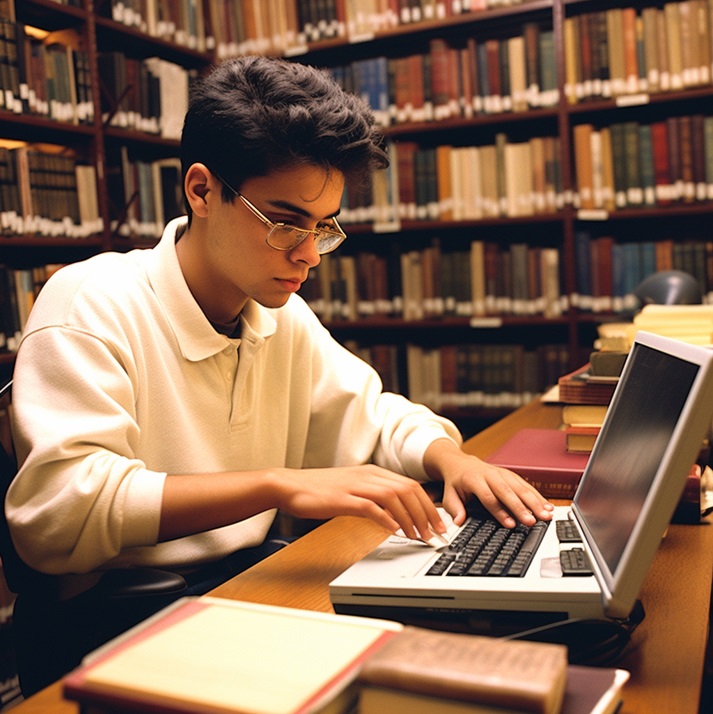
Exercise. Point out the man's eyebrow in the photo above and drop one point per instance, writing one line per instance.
(287, 206)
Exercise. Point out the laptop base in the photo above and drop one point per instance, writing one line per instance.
(494, 623)
(589, 641)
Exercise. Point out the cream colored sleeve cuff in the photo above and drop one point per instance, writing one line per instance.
(142, 508)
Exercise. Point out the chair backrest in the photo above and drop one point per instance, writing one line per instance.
(18, 575)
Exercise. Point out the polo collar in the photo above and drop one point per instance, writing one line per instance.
(197, 338)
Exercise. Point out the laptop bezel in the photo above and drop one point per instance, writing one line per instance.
(620, 589)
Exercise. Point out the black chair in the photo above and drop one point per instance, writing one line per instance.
(138, 590)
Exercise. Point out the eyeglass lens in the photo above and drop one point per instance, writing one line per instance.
(287, 237)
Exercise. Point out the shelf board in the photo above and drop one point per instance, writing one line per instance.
(116, 36)
(49, 15)
(32, 128)
(30, 241)
(445, 323)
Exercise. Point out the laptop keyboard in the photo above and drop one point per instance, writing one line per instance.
(485, 548)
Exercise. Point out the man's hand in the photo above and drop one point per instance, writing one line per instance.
(389, 499)
(506, 495)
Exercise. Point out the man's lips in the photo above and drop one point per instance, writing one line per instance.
(291, 284)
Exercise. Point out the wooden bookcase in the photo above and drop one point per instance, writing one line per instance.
(572, 229)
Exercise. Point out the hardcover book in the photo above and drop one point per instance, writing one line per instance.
(228, 657)
(540, 456)
(581, 387)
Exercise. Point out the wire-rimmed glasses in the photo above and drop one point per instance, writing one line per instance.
(283, 236)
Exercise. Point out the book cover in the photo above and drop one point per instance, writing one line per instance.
(582, 135)
(580, 438)
(589, 690)
(581, 387)
(540, 456)
(225, 656)
(525, 676)
(584, 414)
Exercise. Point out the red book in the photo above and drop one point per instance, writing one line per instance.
(540, 456)
(689, 508)
(662, 169)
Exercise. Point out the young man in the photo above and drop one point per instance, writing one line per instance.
(168, 402)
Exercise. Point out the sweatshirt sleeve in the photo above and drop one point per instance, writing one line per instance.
(354, 421)
(80, 497)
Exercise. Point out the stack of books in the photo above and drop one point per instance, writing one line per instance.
(582, 424)
(228, 657)
(583, 387)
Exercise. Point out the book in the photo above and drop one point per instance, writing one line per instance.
(581, 387)
(689, 323)
(230, 657)
(589, 690)
(540, 456)
(580, 438)
(477, 670)
(582, 136)
(693, 504)
(604, 363)
(584, 414)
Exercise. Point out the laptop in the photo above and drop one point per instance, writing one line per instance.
(658, 418)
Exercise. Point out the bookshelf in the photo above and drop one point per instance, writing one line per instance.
(609, 213)
(524, 116)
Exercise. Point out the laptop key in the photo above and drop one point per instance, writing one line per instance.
(485, 548)
(567, 532)
(575, 562)
(524, 557)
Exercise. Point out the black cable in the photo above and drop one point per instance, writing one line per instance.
(591, 641)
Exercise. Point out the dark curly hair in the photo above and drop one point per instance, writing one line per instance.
(252, 115)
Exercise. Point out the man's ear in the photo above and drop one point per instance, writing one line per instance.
(198, 184)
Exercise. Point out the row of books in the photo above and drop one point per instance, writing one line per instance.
(488, 278)
(179, 21)
(250, 26)
(634, 164)
(634, 50)
(462, 376)
(494, 279)
(47, 194)
(504, 179)
(144, 195)
(359, 19)
(44, 74)
(149, 95)
(608, 271)
(491, 279)
(461, 79)
(480, 376)
(612, 52)
(18, 290)
(623, 165)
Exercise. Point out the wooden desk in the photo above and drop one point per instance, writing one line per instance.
(666, 658)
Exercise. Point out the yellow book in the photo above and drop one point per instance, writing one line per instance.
(210, 655)
(583, 164)
(617, 65)
(675, 48)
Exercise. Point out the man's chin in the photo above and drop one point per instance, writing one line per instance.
(273, 301)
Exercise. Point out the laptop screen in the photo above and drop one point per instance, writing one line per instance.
(632, 450)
